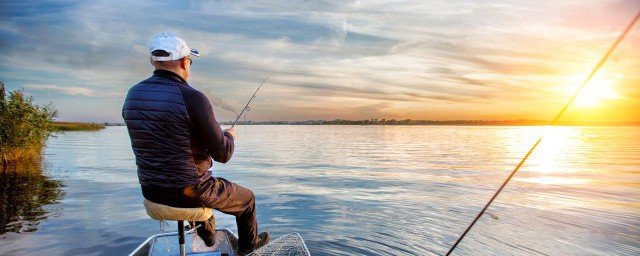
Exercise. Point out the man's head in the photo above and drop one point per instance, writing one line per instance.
(169, 52)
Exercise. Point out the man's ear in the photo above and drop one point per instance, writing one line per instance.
(183, 63)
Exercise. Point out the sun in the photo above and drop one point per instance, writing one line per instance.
(598, 90)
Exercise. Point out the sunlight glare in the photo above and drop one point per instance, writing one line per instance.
(555, 140)
(599, 89)
(547, 165)
(551, 180)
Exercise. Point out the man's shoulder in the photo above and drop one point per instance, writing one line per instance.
(154, 79)
(154, 82)
(191, 94)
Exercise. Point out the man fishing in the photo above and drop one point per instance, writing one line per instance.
(175, 138)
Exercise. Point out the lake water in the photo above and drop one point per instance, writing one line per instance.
(353, 190)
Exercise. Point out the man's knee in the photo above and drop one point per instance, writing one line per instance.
(246, 194)
(251, 201)
(252, 197)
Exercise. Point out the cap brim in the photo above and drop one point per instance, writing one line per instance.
(195, 52)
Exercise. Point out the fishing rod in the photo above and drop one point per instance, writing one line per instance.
(555, 120)
(246, 107)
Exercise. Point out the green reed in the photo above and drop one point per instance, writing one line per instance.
(74, 126)
(24, 126)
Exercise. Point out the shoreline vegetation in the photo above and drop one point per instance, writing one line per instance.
(24, 126)
(75, 126)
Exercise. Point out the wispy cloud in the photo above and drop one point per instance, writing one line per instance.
(65, 90)
(72, 90)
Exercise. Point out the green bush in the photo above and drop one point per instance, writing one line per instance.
(24, 127)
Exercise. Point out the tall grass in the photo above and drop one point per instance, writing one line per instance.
(24, 126)
(75, 126)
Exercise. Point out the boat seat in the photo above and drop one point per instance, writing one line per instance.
(165, 212)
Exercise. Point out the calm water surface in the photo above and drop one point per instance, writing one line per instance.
(353, 190)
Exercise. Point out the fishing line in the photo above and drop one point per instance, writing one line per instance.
(555, 120)
(246, 107)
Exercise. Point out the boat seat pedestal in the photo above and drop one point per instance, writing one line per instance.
(164, 212)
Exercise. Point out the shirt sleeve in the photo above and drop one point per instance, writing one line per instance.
(219, 144)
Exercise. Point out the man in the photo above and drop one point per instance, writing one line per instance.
(174, 135)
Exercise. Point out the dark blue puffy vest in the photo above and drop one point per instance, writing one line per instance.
(158, 125)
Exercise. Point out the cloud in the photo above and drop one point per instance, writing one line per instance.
(72, 90)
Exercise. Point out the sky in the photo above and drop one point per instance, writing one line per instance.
(436, 60)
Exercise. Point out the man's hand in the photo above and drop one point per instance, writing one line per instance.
(230, 131)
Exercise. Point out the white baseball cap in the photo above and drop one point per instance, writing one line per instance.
(174, 45)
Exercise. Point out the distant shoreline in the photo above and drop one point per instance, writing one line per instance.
(436, 122)
(75, 126)
(423, 123)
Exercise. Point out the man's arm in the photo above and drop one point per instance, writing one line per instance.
(219, 143)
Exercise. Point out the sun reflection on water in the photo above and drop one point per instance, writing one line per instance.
(549, 159)
(551, 180)
(556, 176)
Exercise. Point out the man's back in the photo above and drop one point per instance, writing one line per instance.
(158, 124)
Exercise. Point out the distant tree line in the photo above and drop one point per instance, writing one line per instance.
(374, 121)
